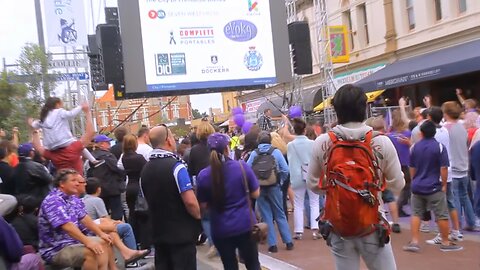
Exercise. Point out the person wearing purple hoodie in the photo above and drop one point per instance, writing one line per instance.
(11, 250)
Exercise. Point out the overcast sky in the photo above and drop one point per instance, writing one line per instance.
(18, 26)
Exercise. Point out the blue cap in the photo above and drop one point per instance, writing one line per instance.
(218, 141)
(25, 149)
(101, 138)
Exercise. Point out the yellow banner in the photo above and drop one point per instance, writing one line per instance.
(371, 96)
(339, 50)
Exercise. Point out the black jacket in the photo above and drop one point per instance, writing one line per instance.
(198, 159)
(117, 149)
(112, 179)
(6, 173)
(170, 219)
(31, 179)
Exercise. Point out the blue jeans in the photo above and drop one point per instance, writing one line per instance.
(126, 234)
(271, 208)
(460, 189)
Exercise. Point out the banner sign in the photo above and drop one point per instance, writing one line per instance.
(339, 50)
(68, 63)
(72, 76)
(65, 23)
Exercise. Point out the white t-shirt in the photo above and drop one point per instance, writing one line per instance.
(442, 137)
(144, 150)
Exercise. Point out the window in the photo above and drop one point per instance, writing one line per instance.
(438, 10)
(228, 106)
(410, 14)
(135, 116)
(462, 6)
(347, 20)
(104, 119)
(363, 17)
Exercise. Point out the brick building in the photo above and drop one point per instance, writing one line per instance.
(108, 112)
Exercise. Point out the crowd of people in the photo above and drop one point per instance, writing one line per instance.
(68, 202)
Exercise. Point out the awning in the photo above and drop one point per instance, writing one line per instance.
(456, 60)
(370, 98)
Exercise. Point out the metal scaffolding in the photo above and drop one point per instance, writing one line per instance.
(325, 63)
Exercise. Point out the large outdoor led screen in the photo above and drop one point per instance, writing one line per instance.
(173, 47)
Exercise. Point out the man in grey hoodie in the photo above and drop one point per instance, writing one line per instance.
(350, 104)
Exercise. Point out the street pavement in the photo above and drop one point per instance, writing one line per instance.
(314, 254)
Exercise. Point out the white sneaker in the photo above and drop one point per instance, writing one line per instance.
(435, 241)
(298, 236)
(425, 227)
(455, 236)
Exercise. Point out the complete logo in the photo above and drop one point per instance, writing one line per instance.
(157, 14)
(170, 64)
(240, 30)
(253, 60)
(197, 35)
(215, 69)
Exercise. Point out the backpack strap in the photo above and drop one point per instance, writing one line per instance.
(270, 150)
(333, 136)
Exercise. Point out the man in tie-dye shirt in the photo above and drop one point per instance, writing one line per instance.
(61, 241)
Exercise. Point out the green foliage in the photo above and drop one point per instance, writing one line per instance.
(196, 114)
(34, 62)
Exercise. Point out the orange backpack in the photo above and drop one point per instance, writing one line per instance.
(352, 184)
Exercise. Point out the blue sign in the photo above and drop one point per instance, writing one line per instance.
(81, 76)
(240, 30)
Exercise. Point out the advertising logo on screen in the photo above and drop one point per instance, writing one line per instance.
(170, 64)
(196, 35)
(252, 5)
(157, 14)
(215, 69)
(240, 30)
(253, 60)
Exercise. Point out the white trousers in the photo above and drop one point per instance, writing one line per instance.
(298, 212)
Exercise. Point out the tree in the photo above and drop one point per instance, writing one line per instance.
(33, 62)
(15, 107)
(196, 114)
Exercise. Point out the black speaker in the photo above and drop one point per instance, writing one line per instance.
(110, 45)
(299, 38)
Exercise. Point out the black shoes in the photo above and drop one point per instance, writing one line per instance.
(396, 228)
(273, 249)
(289, 246)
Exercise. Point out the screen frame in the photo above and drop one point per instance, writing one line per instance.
(133, 54)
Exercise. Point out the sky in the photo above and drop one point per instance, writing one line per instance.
(18, 27)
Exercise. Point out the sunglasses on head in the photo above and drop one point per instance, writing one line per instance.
(166, 128)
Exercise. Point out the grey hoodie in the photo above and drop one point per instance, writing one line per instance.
(56, 129)
(388, 159)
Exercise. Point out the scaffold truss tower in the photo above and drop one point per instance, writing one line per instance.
(296, 89)
(325, 63)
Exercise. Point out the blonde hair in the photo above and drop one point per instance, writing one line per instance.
(204, 130)
(130, 143)
(278, 142)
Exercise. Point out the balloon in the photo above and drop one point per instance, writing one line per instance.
(295, 111)
(237, 110)
(239, 119)
(246, 127)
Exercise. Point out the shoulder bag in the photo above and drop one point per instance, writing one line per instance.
(259, 230)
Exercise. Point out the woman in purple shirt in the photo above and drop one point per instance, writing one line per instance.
(400, 137)
(221, 189)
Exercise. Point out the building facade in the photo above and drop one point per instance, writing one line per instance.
(382, 33)
(109, 113)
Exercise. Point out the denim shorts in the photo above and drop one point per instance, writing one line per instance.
(387, 196)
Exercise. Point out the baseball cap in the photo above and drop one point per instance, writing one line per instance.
(218, 141)
(25, 149)
(101, 138)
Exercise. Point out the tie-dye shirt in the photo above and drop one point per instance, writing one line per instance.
(56, 210)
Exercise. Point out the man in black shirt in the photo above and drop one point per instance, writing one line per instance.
(172, 203)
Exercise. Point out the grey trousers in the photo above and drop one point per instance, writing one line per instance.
(347, 253)
(7, 204)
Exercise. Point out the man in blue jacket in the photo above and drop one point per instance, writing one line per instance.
(270, 200)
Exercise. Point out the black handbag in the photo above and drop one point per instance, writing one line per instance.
(141, 204)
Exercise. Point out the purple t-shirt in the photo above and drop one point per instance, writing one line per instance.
(56, 210)
(427, 157)
(403, 150)
(235, 218)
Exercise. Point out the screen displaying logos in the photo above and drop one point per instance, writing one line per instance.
(228, 43)
(196, 46)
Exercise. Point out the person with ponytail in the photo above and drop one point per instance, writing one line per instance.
(221, 189)
(59, 144)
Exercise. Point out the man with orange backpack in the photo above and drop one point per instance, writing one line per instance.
(352, 165)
